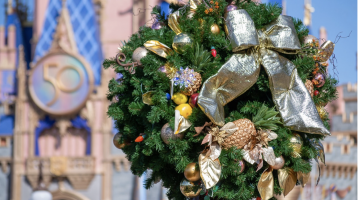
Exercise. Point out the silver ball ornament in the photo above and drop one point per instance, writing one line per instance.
(167, 133)
(181, 42)
(139, 53)
(279, 163)
(157, 25)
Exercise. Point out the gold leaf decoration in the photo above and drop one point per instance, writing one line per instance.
(265, 185)
(287, 179)
(210, 170)
(303, 178)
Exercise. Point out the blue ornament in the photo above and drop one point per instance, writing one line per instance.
(168, 96)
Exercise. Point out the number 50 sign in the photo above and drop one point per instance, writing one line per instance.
(60, 83)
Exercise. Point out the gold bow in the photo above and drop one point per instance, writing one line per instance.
(219, 135)
(240, 72)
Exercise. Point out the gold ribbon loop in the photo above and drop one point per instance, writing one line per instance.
(158, 48)
(173, 22)
(241, 71)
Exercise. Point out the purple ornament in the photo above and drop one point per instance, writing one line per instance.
(242, 166)
(158, 25)
(230, 7)
(319, 80)
(163, 69)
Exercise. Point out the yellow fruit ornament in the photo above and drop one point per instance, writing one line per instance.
(185, 110)
(179, 98)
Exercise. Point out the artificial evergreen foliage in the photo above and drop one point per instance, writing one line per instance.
(167, 162)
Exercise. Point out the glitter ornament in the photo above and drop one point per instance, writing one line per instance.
(139, 53)
(319, 80)
(296, 144)
(188, 80)
(279, 163)
(322, 112)
(191, 172)
(167, 133)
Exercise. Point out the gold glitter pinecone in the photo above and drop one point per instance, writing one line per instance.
(242, 136)
(309, 86)
(191, 89)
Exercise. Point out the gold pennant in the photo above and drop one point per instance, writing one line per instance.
(287, 179)
(158, 48)
(210, 170)
(265, 184)
(173, 22)
(257, 48)
(303, 178)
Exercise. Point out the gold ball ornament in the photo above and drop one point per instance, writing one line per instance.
(167, 133)
(185, 110)
(117, 141)
(215, 29)
(192, 173)
(322, 112)
(279, 163)
(190, 189)
(139, 53)
(296, 144)
(181, 42)
(179, 98)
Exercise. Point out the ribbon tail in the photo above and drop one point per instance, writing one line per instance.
(234, 78)
(290, 95)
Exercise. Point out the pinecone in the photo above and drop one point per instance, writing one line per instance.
(309, 86)
(191, 89)
(242, 136)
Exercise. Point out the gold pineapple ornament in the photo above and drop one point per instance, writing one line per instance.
(242, 136)
(195, 86)
(309, 86)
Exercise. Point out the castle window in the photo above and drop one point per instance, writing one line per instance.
(345, 149)
(3, 142)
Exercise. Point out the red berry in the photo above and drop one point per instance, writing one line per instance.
(316, 92)
(139, 139)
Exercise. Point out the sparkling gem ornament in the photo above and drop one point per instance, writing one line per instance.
(279, 163)
(117, 141)
(309, 86)
(190, 189)
(213, 52)
(179, 98)
(185, 110)
(139, 53)
(316, 92)
(167, 133)
(158, 25)
(322, 112)
(296, 144)
(215, 29)
(319, 80)
(246, 129)
(193, 100)
(192, 172)
(188, 80)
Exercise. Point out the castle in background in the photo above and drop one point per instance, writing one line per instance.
(53, 107)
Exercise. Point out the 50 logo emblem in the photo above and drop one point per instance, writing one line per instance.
(57, 82)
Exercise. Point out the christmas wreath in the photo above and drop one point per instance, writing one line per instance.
(222, 100)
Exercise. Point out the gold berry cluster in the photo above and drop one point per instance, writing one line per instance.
(211, 10)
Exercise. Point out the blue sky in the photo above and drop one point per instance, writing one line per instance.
(337, 16)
